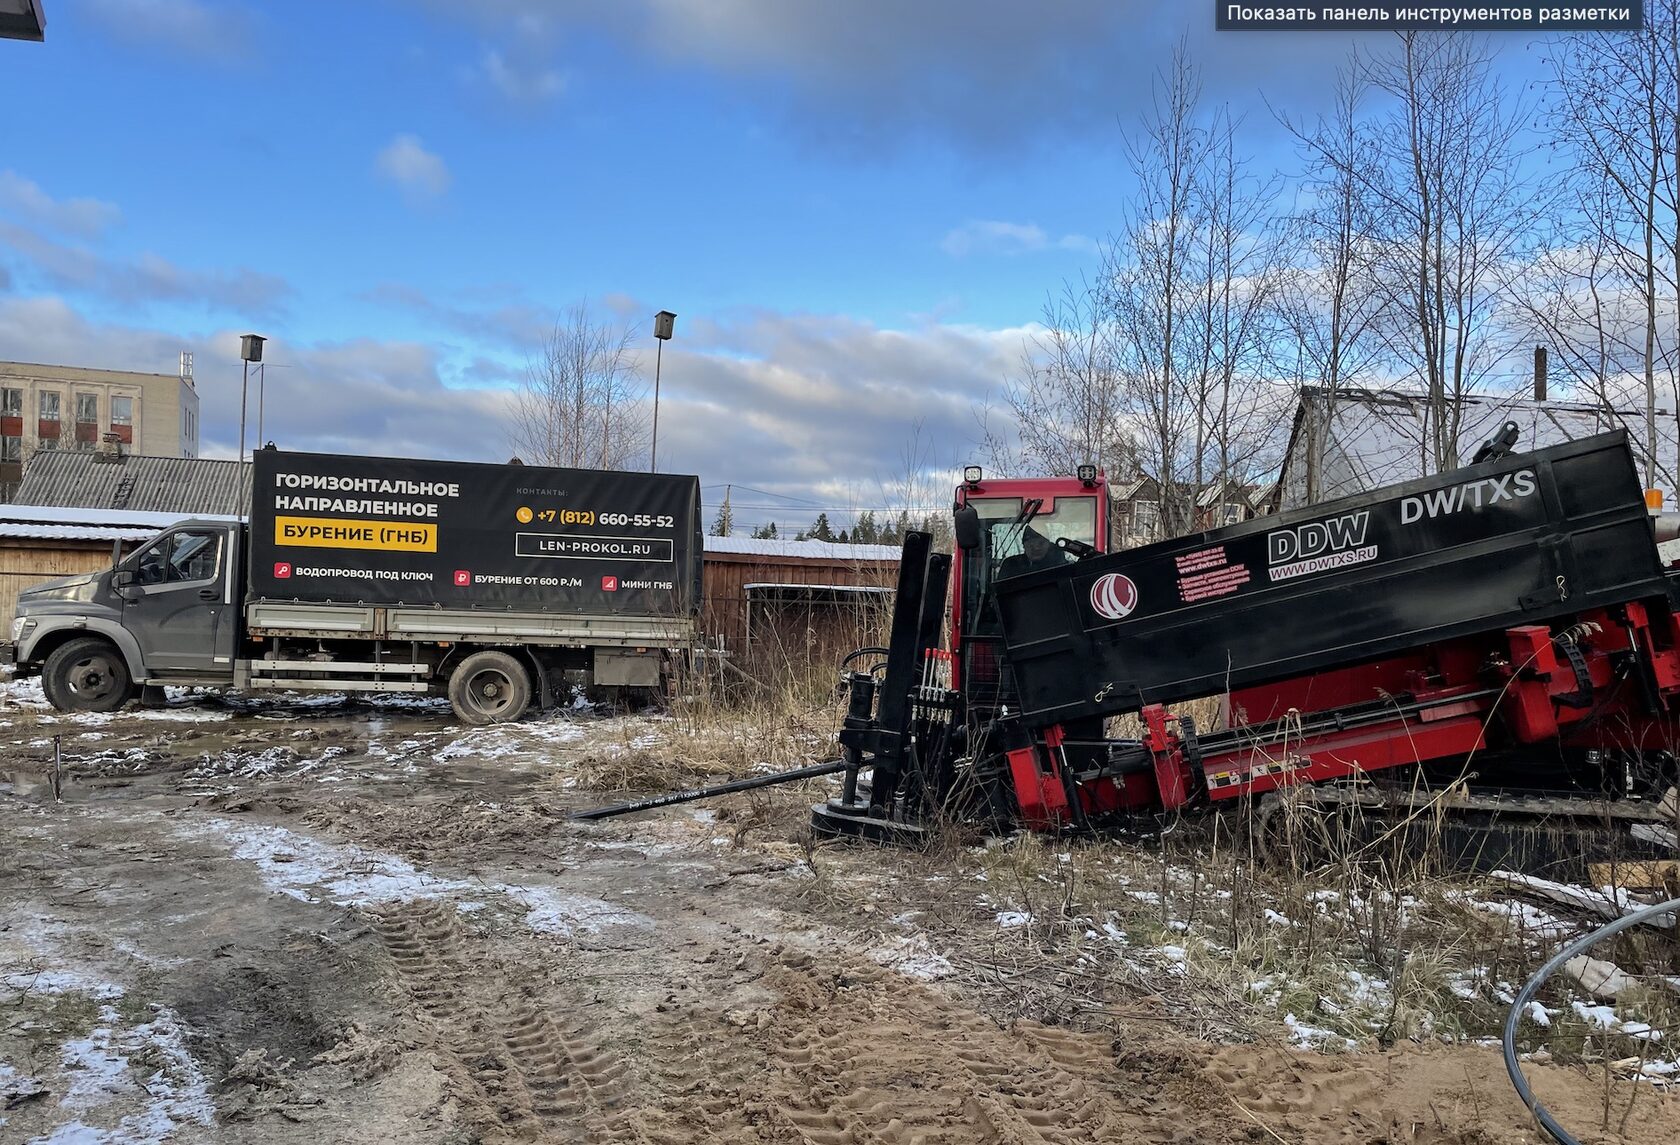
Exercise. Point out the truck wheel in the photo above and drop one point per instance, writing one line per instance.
(489, 688)
(87, 675)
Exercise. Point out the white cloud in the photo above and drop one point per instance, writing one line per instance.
(992, 236)
(149, 278)
(406, 162)
(223, 30)
(25, 199)
(865, 74)
(523, 81)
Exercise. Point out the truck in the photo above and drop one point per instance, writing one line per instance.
(497, 585)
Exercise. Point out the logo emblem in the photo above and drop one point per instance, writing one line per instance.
(463, 578)
(1114, 596)
(609, 584)
(282, 569)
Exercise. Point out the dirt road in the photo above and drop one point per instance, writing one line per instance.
(349, 924)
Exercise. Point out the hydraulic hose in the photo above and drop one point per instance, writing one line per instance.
(1532, 987)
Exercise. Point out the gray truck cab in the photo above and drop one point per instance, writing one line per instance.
(168, 613)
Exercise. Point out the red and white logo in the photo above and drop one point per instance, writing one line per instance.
(609, 584)
(1114, 596)
(463, 578)
(282, 569)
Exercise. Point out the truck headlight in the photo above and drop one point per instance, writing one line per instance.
(20, 626)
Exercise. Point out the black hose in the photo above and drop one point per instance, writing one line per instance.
(872, 649)
(1532, 987)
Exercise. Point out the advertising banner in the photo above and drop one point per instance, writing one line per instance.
(376, 530)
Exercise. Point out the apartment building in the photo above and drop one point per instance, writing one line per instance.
(75, 408)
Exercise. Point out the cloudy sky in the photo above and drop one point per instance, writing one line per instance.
(856, 209)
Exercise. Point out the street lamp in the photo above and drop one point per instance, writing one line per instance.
(663, 323)
(250, 350)
(262, 390)
(22, 20)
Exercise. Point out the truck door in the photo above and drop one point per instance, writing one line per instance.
(176, 601)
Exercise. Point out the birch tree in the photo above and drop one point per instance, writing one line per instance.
(581, 403)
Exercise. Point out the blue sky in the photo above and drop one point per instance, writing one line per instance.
(855, 209)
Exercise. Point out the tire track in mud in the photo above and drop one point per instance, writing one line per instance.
(523, 1074)
(864, 1055)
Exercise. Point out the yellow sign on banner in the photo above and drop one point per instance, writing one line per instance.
(341, 533)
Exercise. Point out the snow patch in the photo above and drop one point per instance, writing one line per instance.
(912, 956)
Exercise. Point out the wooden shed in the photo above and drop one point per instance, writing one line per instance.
(797, 602)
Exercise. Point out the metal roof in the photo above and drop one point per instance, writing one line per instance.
(61, 523)
(809, 550)
(1374, 438)
(85, 480)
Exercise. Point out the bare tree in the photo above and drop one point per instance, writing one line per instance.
(1148, 287)
(1241, 263)
(1614, 302)
(1442, 203)
(1326, 303)
(1065, 403)
(581, 402)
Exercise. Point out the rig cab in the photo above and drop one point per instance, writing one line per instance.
(1007, 528)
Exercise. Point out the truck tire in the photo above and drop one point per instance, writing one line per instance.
(87, 675)
(489, 688)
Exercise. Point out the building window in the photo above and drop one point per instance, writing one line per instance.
(122, 419)
(87, 420)
(11, 425)
(1146, 518)
(1233, 514)
(47, 421)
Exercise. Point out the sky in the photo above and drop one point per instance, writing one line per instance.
(856, 210)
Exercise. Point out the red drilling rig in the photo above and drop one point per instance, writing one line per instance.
(1501, 641)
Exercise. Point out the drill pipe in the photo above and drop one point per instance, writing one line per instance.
(814, 770)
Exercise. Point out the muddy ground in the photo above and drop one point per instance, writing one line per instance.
(340, 923)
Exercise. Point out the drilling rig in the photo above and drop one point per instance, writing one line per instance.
(1501, 641)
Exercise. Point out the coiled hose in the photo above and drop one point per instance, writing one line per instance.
(1532, 987)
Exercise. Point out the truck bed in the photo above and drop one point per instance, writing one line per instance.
(390, 622)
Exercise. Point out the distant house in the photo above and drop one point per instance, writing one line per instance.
(1136, 512)
(71, 409)
(1365, 439)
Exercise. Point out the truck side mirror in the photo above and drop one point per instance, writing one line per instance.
(124, 578)
(967, 527)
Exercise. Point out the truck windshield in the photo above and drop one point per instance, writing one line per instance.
(1073, 518)
(1010, 548)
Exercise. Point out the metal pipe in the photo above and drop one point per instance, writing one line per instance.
(812, 772)
(1532, 987)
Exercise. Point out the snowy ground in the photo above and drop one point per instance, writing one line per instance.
(273, 920)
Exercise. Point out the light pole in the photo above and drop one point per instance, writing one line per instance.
(250, 350)
(663, 323)
(262, 389)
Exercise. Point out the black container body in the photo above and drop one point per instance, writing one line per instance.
(1520, 540)
(375, 530)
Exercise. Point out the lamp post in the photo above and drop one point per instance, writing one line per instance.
(250, 350)
(663, 324)
(262, 389)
